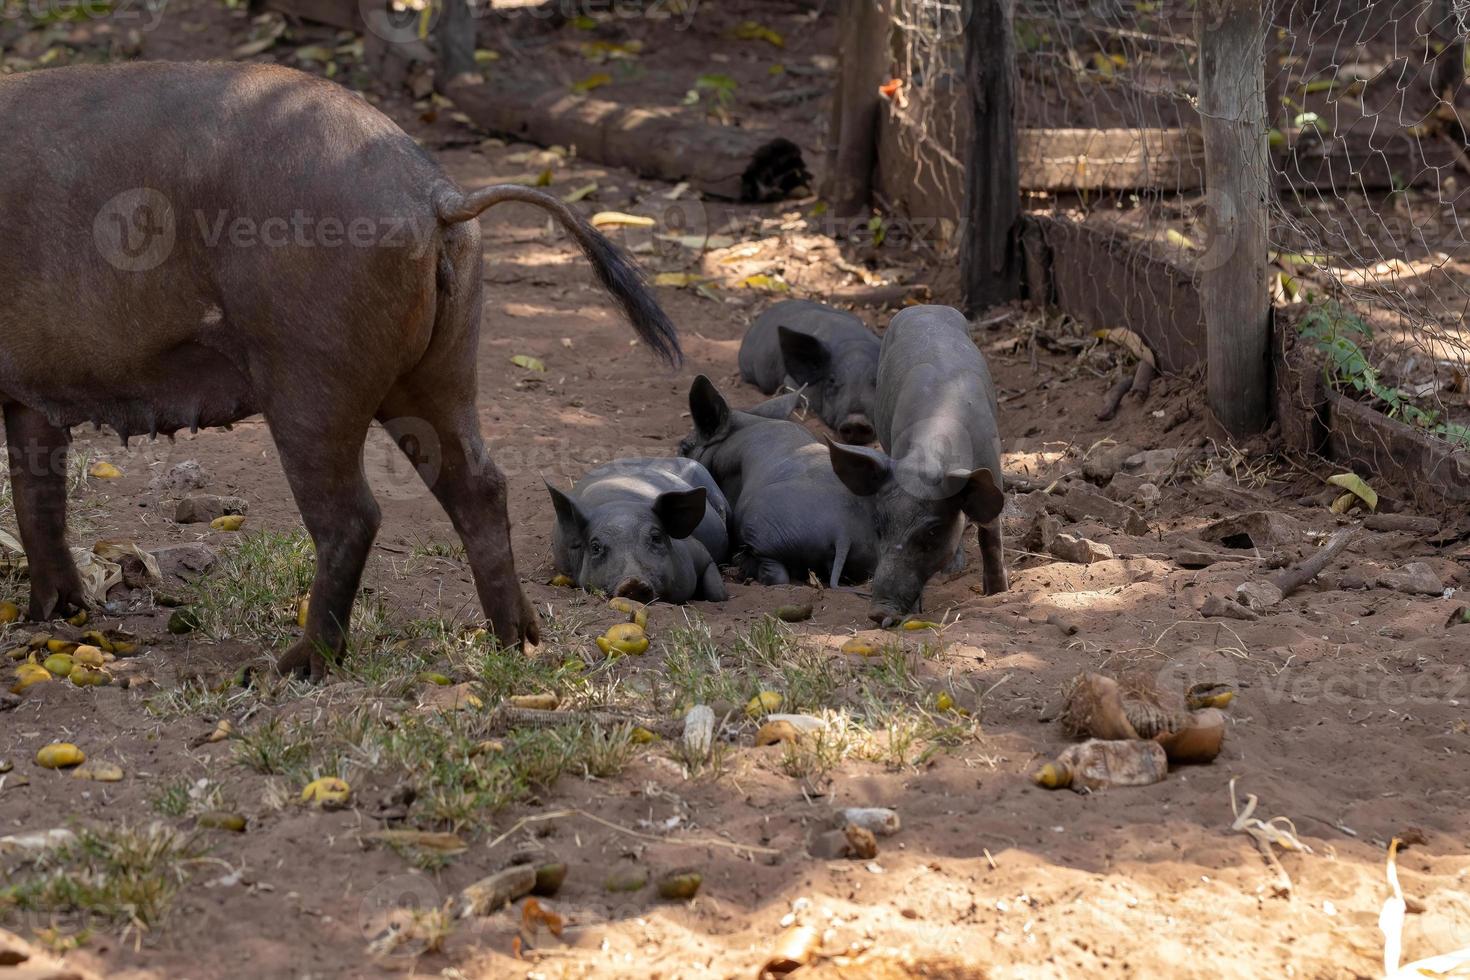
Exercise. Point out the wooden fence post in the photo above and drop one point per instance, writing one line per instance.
(990, 268)
(863, 33)
(1232, 109)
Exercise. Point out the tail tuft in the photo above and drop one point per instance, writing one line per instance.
(617, 273)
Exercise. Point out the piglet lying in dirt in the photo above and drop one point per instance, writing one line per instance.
(185, 245)
(643, 528)
(829, 352)
(936, 419)
(791, 515)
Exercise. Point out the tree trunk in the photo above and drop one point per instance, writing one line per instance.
(990, 264)
(1232, 109)
(852, 142)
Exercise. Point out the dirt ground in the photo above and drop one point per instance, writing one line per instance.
(1349, 715)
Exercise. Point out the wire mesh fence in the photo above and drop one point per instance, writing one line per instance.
(1369, 163)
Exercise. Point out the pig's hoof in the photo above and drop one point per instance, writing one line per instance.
(302, 662)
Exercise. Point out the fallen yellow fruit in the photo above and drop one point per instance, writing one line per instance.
(624, 638)
(859, 648)
(919, 624)
(28, 675)
(1053, 775)
(943, 701)
(80, 619)
(88, 676)
(60, 755)
(59, 664)
(637, 612)
(329, 793)
(99, 640)
(99, 772)
(9, 613)
(763, 704)
(61, 646)
(88, 656)
(103, 470)
(303, 608)
(562, 582)
(537, 702)
(230, 522)
(429, 677)
(641, 736)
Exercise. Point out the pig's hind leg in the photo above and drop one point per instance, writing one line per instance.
(38, 453)
(436, 426)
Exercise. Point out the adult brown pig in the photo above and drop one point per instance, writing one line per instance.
(185, 245)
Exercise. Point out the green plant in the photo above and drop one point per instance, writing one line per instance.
(1340, 336)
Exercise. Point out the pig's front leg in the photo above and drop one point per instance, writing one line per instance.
(993, 558)
(711, 585)
(38, 452)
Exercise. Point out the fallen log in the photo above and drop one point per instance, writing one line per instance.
(660, 143)
(1261, 595)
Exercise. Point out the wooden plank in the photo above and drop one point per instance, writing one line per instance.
(990, 270)
(1232, 108)
(1435, 474)
(1111, 159)
(1107, 280)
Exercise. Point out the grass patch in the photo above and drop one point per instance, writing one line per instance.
(122, 874)
(253, 595)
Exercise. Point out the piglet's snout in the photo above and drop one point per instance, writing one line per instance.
(635, 589)
(856, 430)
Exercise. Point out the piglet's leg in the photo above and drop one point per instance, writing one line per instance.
(992, 558)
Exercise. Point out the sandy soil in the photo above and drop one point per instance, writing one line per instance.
(1349, 715)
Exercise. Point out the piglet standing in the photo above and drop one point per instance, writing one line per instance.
(791, 515)
(936, 421)
(650, 528)
(831, 355)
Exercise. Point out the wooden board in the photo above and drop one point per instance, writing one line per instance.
(1107, 280)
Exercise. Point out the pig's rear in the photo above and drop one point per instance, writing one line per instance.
(170, 230)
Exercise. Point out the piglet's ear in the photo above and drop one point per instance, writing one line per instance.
(861, 470)
(806, 358)
(707, 407)
(569, 517)
(777, 408)
(680, 511)
(980, 498)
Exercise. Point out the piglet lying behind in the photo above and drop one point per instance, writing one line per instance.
(832, 355)
(643, 528)
(791, 515)
(936, 418)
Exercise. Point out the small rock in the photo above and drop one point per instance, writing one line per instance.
(1152, 465)
(1407, 523)
(1415, 578)
(851, 842)
(185, 561)
(500, 889)
(1220, 607)
(699, 731)
(1258, 596)
(1354, 582)
(877, 819)
(1084, 503)
(1079, 550)
(206, 507)
(1042, 532)
(180, 479)
(1102, 465)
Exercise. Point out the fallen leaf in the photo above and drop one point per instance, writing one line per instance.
(754, 31)
(534, 915)
(1356, 486)
(679, 280)
(613, 219)
(442, 843)
(763, 281)
(591, 82)
(580, 193)
(890, 88)
(528, 362)
(1129, 341)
